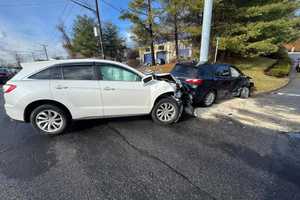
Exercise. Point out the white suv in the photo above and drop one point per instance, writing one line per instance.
(52, 93)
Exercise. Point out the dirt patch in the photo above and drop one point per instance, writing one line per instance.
(251, 112)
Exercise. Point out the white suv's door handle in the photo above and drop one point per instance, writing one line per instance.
(59, 87)
(109, 88)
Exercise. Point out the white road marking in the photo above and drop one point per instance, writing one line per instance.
(288, 94)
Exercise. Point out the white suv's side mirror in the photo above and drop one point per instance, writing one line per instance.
(147, 79)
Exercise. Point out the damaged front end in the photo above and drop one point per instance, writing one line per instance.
(181, 94)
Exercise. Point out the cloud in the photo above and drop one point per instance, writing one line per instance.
(128, 39)
(25, 40)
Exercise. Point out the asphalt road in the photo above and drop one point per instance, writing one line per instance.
(133, 158)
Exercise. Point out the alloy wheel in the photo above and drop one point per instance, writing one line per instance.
(166, 112)
(49, 121)
(245, 93)
(210, 98)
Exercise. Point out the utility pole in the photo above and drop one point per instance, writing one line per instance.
(33, 57)
(45, 50)
(97, 13)
(18, 59)
(100, 29)
(150, 19)
(206, 29)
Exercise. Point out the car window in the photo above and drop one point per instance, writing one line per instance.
(3, 71)
(110, 72)
(205, 71)
(222, 71)
(183, 70)
(82, 72)
(234, 73)
(50, 73)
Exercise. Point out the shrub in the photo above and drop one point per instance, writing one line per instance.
(281, 69)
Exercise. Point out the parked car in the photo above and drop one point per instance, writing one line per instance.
(4, 75)
(209, 82)
(50, 94)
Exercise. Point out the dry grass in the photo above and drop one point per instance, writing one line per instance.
(253, 67)
(158, 68)
(264, 83)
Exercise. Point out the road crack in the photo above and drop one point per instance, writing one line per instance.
(149, 155)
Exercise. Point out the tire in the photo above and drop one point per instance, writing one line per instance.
(245, 93)
(168, 105)
(39, 119)
(209, 99)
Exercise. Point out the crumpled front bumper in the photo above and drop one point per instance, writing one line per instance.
(185, 101)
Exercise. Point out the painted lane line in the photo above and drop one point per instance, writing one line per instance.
(288, 94)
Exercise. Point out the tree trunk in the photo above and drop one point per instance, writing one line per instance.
(176, 36)
(150, 19)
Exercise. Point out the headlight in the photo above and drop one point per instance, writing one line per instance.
(178, 94)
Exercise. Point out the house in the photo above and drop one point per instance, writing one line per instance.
(293, 50)
(293, 47)
(165, 52)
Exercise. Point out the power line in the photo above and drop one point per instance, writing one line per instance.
(113, 6)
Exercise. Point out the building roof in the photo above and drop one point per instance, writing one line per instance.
(293, 46)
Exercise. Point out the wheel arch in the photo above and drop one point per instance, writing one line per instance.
(30, 107)
(161, 96)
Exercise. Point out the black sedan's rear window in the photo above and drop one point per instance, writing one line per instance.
(190, 71)
(182, 70)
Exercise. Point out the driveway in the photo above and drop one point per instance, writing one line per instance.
(217, 156)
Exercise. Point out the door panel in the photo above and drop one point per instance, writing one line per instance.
(223, 80)
(125, 98)
(83, 96)
(123, 92)
(79, 90)
(236, 81)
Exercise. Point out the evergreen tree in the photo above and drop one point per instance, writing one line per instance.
(142, 15)
(114, 45)
(83, 40)
(247, 27)
(255, 27)
(83, 43)
(172, 21)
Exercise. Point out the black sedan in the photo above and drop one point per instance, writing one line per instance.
(4, 75)
(209, 82)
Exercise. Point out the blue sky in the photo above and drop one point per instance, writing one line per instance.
(25, 24)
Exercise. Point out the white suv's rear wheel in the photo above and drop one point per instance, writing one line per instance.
(166, 111)
(49, 119)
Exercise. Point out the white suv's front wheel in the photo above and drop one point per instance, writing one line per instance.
(49, 119)
(166, 111)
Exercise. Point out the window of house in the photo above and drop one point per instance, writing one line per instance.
(161, 47)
